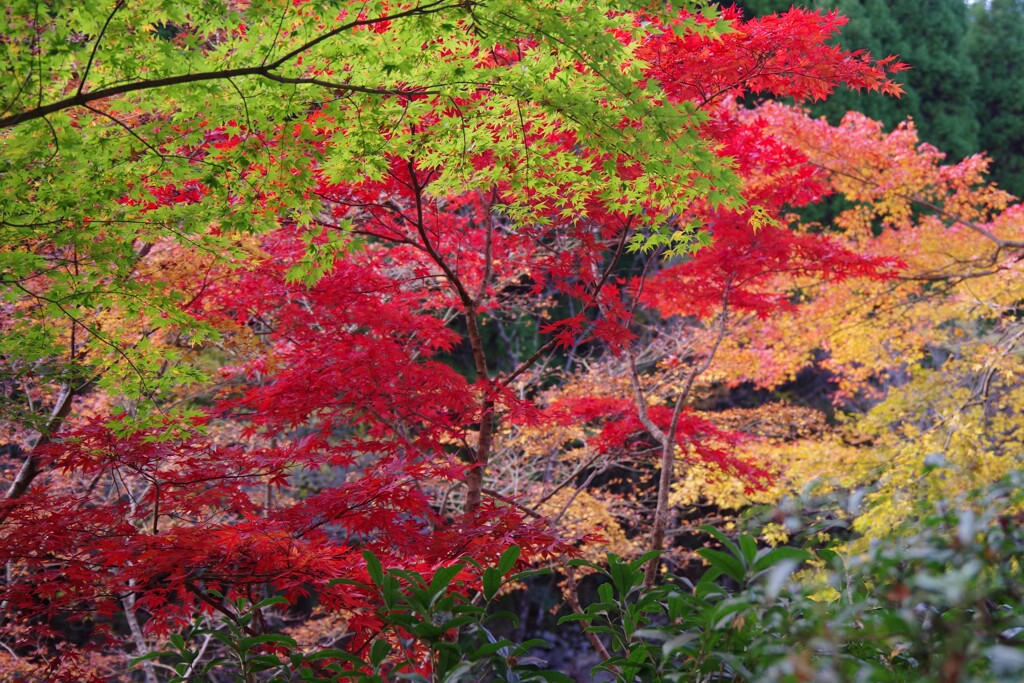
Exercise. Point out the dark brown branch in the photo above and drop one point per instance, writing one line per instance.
(220, 606)
(574, 602)
(475, 475)
(96, 46)
(488, 253)
(511, 501)
(543, 350)
(81, 98)
(30, 468)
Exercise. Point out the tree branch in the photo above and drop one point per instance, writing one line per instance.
(915, 199)
(528, 363)
(574, 602)
(668, 441)
(30, 468)
(96, 46)
(81, 98)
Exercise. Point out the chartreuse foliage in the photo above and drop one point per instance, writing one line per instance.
(137, 123)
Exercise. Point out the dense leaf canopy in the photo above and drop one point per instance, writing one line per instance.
(350, 309)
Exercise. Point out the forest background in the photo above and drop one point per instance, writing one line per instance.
(964, 90)
(309, 363)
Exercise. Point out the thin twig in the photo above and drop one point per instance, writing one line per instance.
(96, 46)
(574, 602)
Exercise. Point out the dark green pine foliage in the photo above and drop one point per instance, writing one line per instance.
(758, 8)
(930, 36)
(873, 27)
(943, 77)
(996, 46)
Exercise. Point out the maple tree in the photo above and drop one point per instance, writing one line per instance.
(923, 363)
(931, 354)
(912, 331)
(331, 210)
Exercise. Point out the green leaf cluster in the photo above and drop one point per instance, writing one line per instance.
(433, 629)
(107, 112)
(940, 602)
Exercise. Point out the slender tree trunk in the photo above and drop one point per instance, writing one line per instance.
(470, 303)
(138, 639)
(667, 441)
(475, 477)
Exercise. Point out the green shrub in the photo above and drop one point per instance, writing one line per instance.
(941, 601)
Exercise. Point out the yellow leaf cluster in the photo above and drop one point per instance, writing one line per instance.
(581, 513)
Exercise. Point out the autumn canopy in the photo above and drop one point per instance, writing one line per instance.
(298, 293)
